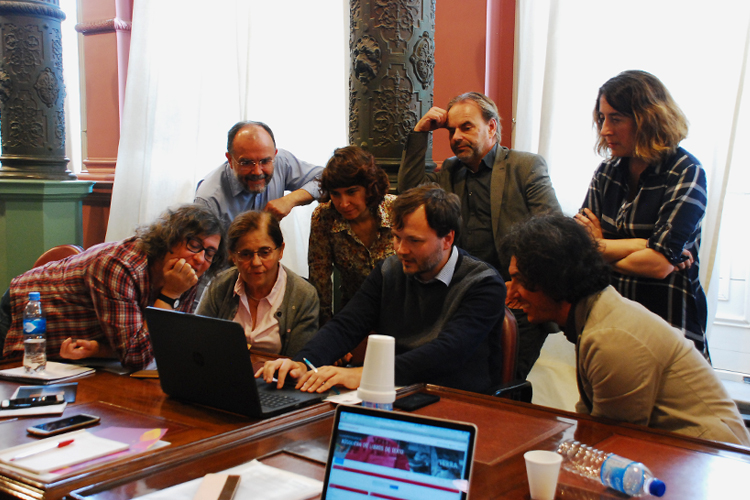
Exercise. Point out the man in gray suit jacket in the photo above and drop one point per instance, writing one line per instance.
(498, 187)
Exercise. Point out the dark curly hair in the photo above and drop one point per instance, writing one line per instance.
(660, 124)
(442, 209)
(353, 166)
(177, 225)
(556, 255)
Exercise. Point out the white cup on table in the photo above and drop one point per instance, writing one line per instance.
(542, 469)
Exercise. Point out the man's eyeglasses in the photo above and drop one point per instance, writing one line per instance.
(247, 255)
(196, 246)
(248, 164)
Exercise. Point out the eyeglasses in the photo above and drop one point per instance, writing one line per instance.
(248, 164)
(196, 246)
(248, 255)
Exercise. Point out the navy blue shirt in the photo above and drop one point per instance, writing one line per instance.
(667, 211)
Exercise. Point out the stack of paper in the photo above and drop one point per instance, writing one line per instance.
(258, 481)
(55, 372)
(85, 446)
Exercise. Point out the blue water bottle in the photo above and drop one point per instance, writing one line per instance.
(34, 335)
(624, 475)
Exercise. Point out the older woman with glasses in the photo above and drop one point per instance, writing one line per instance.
(277, 308)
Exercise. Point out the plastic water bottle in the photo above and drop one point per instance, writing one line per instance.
(34, 333)
(621, 474)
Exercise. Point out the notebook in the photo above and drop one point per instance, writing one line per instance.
(387, 454)
(205, 360)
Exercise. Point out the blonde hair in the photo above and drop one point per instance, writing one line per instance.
(660, 124)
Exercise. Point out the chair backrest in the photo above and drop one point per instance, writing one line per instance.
(57, 253)
(509, 341)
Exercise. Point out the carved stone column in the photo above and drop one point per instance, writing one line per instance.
(391, 78)
(32, 120)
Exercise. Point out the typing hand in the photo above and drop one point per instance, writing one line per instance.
(78, 349)
(179, 277)
(328, 376)
(434, 119)
(280, 368)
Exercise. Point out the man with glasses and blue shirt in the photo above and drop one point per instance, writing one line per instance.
(255, 176)
(94, 301)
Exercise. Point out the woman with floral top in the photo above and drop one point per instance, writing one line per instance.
(352, 231)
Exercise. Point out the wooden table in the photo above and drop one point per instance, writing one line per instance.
(691, 468)
(123, 401)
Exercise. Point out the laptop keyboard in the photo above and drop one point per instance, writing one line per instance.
(271, 400)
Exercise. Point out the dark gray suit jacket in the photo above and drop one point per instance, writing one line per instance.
(521, 186)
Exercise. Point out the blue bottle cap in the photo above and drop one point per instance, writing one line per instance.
(657, 487)
(34, 296)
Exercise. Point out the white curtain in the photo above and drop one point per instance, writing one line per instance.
(198, 67)
(568, 48)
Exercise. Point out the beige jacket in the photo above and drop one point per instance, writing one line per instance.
(634, 367)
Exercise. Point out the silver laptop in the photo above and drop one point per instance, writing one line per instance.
(205, 360)
(388, 454)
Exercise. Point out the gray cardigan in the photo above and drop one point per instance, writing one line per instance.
(297, 315)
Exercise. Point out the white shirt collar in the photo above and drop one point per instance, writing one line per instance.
(446, 273)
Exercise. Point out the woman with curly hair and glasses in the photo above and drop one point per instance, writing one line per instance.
(646, 201)
(352, 231)
(94, 301)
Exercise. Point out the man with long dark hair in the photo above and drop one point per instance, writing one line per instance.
(631, 364)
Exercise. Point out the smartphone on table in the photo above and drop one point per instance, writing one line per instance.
(62, 425)
(32, 402)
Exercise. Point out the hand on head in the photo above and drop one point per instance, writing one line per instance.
(434, 119)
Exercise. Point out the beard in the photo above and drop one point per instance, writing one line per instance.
(426, 265)
(468, 154)
(246, 181)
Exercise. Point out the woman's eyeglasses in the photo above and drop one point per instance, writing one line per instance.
(247, 255)
(196, 246)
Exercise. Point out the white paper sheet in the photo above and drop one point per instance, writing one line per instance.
(259, 482)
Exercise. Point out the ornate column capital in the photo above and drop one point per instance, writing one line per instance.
(32, 91)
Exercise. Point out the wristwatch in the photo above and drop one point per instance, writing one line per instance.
(168, 300)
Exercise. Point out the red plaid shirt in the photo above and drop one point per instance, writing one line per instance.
(99, 295)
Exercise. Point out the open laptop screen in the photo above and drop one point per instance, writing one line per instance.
(392, 455)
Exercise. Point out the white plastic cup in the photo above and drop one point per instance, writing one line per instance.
(542, 469)
(377, 385)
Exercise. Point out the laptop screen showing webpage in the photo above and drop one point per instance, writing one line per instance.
(392, 455)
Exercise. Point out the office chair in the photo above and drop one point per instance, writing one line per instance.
(510, 387)
(57, 253)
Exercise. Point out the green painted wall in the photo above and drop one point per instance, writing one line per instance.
(35, 216)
